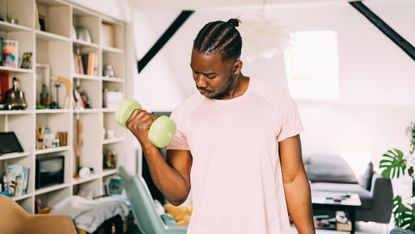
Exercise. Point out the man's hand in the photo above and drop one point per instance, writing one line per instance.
(139, 124)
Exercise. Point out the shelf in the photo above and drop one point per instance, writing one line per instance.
(51, 188)
(52, 150)
(51, 3)
(15, 112)
(112, 49)
(53, 53)
(14, 69)
(53, 111)
(18, 198)
(47, 36)
(84, 43)
(83, 180)
(86, 77)
(13, 155)
(109, 172)
(113, 79)
(112, 141)
(86, 111)
(8, 27)
(108, 110)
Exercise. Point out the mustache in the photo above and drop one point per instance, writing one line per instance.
(204, 90)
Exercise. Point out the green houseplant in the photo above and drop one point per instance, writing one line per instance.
(395, 164)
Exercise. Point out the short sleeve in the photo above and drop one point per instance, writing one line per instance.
(179, 141)
(291, 123)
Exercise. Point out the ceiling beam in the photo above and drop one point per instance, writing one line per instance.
(407, 47)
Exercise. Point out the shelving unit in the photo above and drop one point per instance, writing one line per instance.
(53, 44)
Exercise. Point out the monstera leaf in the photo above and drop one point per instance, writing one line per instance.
(411, 132)
(404, 216)
(393, 164)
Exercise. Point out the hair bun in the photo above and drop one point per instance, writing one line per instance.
(234, 22)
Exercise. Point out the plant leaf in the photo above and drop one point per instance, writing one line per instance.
(398, 210)
(411, 131)
(393, 164)
(408, 217)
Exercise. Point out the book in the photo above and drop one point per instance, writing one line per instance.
(4, 86)
(17, 180)
(344, 226)
(10, 52)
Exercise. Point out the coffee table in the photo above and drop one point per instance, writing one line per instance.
(322, 201)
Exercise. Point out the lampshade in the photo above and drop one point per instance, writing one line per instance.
(263, 37)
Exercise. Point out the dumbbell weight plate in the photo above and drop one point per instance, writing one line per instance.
(162, 131)
(124, 111)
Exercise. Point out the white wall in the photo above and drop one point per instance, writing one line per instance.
(117, 9)
(155, 87)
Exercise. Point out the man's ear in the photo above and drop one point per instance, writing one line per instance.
(237, 67)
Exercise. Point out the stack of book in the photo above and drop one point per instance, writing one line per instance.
(325, 222)
(80, 99)
(342, 222)
(86, 63)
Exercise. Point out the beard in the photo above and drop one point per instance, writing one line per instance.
(223, 91)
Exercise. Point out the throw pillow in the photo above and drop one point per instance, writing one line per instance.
(330, 168)
(365, 180)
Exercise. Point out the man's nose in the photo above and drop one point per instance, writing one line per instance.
(201, 82)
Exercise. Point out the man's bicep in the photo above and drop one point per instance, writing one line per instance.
(181, 160)
(291, 157)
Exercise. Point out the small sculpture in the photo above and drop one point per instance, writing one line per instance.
(109, 71)
(15, 98)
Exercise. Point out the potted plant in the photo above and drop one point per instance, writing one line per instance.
(394, 165)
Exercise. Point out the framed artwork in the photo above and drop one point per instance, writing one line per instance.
(108, 35)
(26, 60)
(10, 53)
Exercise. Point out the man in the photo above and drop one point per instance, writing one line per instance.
(237, 146)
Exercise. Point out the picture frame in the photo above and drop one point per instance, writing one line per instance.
(26, 60)
(108, 35)
(10, 53)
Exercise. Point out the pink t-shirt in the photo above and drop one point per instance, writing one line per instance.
(236, 179)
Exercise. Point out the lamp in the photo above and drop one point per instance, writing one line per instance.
(263, 36)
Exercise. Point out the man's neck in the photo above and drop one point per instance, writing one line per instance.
(242, 83)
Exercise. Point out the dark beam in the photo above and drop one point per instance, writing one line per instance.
(170, 31)
(407, 47)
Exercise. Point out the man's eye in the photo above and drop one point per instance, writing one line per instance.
(211, 76)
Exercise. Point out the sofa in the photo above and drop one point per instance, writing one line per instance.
(331, 173)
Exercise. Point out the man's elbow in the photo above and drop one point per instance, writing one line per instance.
(177, 201)
(178, 198)
(292, 179)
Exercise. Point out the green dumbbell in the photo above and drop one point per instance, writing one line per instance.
(161, 131)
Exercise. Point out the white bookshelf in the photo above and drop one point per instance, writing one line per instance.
(53, 56)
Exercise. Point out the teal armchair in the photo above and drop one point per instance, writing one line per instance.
(142, 205)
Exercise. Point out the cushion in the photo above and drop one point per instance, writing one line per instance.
(365, 179)
(329, 168)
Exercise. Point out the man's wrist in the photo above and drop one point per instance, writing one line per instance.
(148, 148)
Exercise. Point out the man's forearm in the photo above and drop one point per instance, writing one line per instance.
(167, 179)
(298, 197)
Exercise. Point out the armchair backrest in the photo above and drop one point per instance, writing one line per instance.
(142, 204)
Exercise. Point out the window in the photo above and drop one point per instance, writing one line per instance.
(312, 65)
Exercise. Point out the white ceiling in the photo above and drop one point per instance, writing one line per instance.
(203, 4)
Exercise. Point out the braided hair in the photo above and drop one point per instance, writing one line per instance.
(220, 37)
